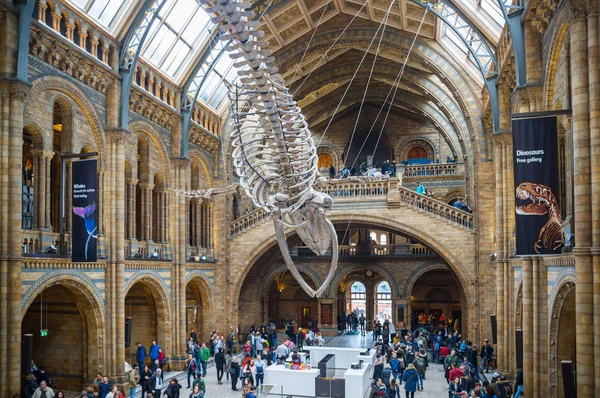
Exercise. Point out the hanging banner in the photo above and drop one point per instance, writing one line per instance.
(535, 155)
(84, 229)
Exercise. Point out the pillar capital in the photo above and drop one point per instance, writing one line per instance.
(117, 136)
(577, 10)
(132, 181)
(146, 185)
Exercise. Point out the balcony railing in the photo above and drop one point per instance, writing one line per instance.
(431, 171)
(247, 221)
(436, 207)
(405, 250)
(357, 186)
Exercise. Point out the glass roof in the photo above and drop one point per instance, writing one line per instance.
(107, 12)
(181, 30)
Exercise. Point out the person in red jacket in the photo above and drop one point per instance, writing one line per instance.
(161, 358)
(455, 372)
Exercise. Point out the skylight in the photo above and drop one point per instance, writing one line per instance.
(181, 30)
(106, 12)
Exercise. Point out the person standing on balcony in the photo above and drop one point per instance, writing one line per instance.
(331, 172)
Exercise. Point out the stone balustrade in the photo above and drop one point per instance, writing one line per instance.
(247, 221)
(433, 170)
(346, 191)
(436, 207)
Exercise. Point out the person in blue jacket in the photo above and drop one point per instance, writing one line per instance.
(140, 355)
(410, 378)
(154, 355)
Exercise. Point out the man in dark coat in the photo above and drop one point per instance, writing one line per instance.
(220, 364)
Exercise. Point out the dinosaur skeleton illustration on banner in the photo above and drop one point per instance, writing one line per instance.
(537, 200)
(274, 154)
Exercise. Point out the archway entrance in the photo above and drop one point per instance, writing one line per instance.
(146, 306)
(435, 299)
(562, 336)
(66, 324)
(197, 302)
(289, 302)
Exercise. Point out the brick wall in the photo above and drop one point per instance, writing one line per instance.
(139, 304)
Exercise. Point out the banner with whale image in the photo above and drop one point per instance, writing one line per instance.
(535, 157)
(85, 230)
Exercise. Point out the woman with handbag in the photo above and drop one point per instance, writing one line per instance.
(234, 372)
(410, 378)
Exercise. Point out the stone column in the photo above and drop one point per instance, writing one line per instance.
(582, 201)
(131, 194)
(116, 186)
(211, 242)
(528, 368)
(593, 43)
(370, 301)
(4, 199)
(18, 94)
(47, 188)
(500, 347)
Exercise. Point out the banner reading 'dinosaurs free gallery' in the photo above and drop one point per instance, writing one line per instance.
(535, 154)
(85, 232)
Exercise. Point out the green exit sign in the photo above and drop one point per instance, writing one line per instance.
(44, 332)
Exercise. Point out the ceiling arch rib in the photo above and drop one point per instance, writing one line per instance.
(319, 113)
(405, 109)
(467, 31)
(426, 57)
(512, 10)
(327, 80)
(134, 41)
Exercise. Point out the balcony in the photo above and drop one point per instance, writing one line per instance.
(433, 172)
(365, 253)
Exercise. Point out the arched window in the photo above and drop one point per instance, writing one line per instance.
(358, 298)
(325, 160)
(383, 301)
(417, 153)
(28, 192)
(383, 239)
(373, 236)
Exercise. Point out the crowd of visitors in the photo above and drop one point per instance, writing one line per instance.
(403, 360)
(379, 170)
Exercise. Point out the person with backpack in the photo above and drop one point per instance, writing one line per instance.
(203, 357)
(192, 367)
(421, 366)
(410, 379)
(140, 355)
(395, 365)
(132, 376)
(378, 389)
(230, 340)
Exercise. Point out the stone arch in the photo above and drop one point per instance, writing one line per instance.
(69, 89)
(199, 158)
(454, 264)
(423, 142)
(198, 284)
(451, 197)
(566, 289)
(331, 151)
(92, 310)
(36, 135)
(160, 294)
(558, 40)
(145, 129)
(304, 269)
(348, 269)
(416, 274)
